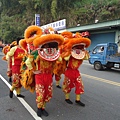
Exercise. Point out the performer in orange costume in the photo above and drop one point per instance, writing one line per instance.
(30, 34)
(5, 50)
(76, 45)
(17, 54)
(60, 66)
(47, 54)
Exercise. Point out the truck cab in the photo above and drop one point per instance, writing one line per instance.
(105, 55)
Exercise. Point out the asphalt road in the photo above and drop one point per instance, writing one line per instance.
(102, 98)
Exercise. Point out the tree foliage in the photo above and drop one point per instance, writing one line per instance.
(17, 15)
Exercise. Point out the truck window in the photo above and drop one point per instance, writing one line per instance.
(98, 49)
(111, 50)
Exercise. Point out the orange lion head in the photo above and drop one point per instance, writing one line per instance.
(30, 34)
(75, 45)
(48, 44)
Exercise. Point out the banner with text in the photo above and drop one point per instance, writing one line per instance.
(58, 25)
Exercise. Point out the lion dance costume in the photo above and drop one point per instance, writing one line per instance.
(16, 54)
(44, 57)
(75, 52)
(5, 50)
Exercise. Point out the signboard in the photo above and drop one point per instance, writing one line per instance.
(37, 19)
(58, 25)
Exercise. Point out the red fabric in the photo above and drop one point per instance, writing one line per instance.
(10, 63)
(72, 75)
(43, 78)
(16, 69)
(73, 78)
(16, 76)
(57, 77)
(18, 52)
(45, 81)
(72, 61)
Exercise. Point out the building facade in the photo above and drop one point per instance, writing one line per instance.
(100, 32)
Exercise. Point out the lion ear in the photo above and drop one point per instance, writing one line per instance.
(67, 34)
(23, 44)
(14, 43)
(32, 30)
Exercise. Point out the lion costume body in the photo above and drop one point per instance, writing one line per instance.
(44, 58)
(75, 52)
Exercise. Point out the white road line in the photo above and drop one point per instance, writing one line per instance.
(24, 103)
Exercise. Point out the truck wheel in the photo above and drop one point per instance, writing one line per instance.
(97, 66)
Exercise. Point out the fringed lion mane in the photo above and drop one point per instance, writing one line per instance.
(71, 40)
(48, 38)
(7, 49)
(32, 32)
(23, 44)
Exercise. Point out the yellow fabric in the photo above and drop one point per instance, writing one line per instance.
(67, 95)
(12, 88)
(11, 53)
(67, 58)
(8, 64)
(29, 63)
(60, 59)
(12, 50)
(44, 104)
(17, 91)
(86, 56)
(78, 97)
(7, 56)
(27, 80)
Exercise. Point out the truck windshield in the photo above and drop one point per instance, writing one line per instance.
(98, 49)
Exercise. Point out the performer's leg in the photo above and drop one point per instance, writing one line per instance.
(11, 92)
(78, 100)
(39, 98)
(67, 98)
(44, 112)
(16, 85)
(9, 74)
(18, 91)
(10, 79)
(67, 89)
(57, 78)
(79, 89)
(58, 84)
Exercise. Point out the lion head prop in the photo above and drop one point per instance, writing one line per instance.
(48, 44)
(30, 34)
(76, 45)
(6, 49)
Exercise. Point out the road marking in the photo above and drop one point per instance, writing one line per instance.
(102, 80)
(24, 103)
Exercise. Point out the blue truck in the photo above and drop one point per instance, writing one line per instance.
(105, 55)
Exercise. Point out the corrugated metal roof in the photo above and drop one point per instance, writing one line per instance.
(95, 26)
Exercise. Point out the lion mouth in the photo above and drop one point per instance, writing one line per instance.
(49, 51)
(78, 51)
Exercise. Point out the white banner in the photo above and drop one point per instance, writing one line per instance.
(58, 25)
